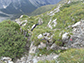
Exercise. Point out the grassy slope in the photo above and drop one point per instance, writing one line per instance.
(41, 10)
(70, 56)
(68, 15)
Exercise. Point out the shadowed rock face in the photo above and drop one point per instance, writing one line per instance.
(23, 6)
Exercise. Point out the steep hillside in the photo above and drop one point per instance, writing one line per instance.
(42, 9)
(53, 25)
(54, 33)
(9, 9)
(26, 6)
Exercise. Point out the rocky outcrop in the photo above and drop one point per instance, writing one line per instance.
(65, 37)
(52, 24)
(21, 23)
(54, 11)
(7, 59)
(77, 39)
(42, 45)
(40, 36)
(40, 21)
(35, 59)
(33, 48)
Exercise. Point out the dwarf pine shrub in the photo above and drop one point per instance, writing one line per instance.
(12, 42)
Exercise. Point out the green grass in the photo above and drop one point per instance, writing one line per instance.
(41, 10)
(72, 56)
(69, 56)
(68, 15)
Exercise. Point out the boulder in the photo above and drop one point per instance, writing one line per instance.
(1, 61)
(54, 47)
(7, 59)
(40, 21)
(22, 60)
(55, 23)
(39, 36)
(21, 16)
(65, 37)
(46, 34)
(52, 24)
(54, 11)
(32, 49)
(18, 21)
(42, 45)
(49, 24)
(69, 2)
(76, 24)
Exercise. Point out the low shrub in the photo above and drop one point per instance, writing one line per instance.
(12, 42)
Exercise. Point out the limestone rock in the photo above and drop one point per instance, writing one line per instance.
(46, 34)
(56, 56)
(69, 2)
(54, 47)
(55, 23)
(49, 24)
(33, 48)
(76, 24)
(77, 39)
(65, 37)
(1, 61)
(21, 16)
(54, 11)
(42, 45)
(40, 21)
(52, 24)
(7, 59)
(22, 60)
(21, 22)
(39, 36)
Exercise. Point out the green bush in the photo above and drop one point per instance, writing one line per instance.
(8, 23)
(12, 42)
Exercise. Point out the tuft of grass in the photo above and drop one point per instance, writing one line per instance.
(69, 56)
(72, 56)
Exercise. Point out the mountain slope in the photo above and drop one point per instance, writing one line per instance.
(55, 31)
(42, 9)
(20, 6)
(66, 16)
(63, 19)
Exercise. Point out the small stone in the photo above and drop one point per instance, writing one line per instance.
(21, 16)
(55, 57)
(65, 36)
(33, 48)
(54, 47)
(76, 24)
(40, 21)
(42, 45)
(39, 36)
